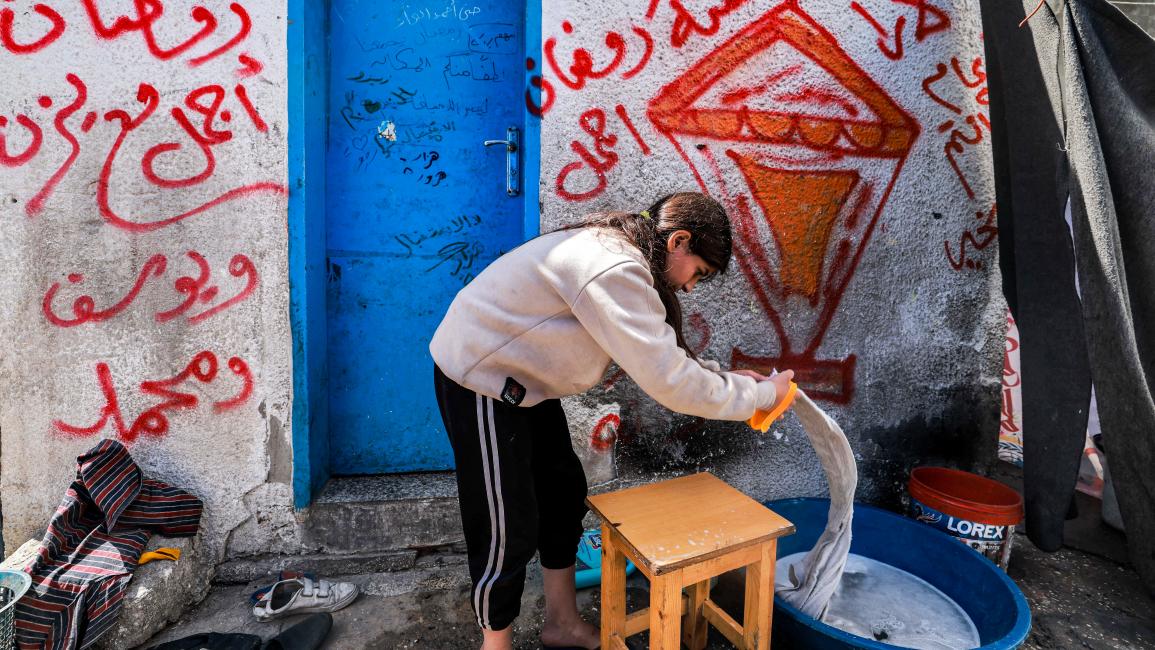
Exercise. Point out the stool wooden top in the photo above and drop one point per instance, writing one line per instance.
(686, 520)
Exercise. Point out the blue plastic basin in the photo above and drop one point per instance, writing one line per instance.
(989, 597)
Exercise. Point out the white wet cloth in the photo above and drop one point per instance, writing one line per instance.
(812, 586)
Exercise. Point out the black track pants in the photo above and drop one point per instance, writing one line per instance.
(521, 489)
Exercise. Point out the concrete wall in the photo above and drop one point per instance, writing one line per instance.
(142, 208)
(144, 244)
(849, 143)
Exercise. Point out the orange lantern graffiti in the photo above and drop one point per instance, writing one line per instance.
(804, 148)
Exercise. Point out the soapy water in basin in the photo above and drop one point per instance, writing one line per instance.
(884, 603)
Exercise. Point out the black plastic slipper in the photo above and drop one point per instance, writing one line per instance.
(309, 634)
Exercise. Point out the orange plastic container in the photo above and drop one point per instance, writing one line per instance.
(980, 512)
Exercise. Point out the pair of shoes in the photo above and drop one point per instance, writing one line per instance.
(303, 595)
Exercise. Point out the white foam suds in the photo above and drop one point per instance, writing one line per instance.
(878, 601)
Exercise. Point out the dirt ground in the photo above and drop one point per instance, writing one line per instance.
(1078, 599)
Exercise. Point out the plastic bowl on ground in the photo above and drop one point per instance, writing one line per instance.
(991, 599)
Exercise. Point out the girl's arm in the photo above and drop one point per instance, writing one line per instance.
(621, 310)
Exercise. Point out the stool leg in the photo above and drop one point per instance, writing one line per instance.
(613, 588)
(696, 627)
(760, 599)
(666, 611)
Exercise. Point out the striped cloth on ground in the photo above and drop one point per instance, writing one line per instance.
(92, 545)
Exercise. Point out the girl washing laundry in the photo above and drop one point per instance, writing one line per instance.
(542, 322)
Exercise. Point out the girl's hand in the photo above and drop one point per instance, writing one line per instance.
(781, 384)
(753, 374)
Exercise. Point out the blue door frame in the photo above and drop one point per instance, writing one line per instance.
(308, 66)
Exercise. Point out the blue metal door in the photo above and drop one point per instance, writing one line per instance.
(416, 207)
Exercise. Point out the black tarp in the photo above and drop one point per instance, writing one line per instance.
(1072, 99)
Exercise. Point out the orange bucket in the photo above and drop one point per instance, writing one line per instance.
(980, 512)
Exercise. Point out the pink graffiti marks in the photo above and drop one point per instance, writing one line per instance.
(931, 20)
(974, 241)
(971, 132)
(7, 24)
(814, 168)
(1010, 433)
(206, 132)
(154, 421)
(601, 159)
(196, 291)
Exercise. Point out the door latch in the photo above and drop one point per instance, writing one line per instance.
(512, 144)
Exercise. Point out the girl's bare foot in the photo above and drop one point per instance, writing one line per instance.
(570, 633)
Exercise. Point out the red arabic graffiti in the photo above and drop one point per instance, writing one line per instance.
(582, 67)
(8, 41)
(194, 289)
(605, 432)
(143, 19)
(602, 159)
(36, 135)
(958, 141)
(545, 91)
(153, 421)
(207, 102)
(249, 66)
(931, 20)
(148, 12)
(36, 204)
(686, 24)
(983, 236)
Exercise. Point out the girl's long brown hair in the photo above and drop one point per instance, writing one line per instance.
(703, 217)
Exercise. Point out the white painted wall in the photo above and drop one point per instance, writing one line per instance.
(48, 372)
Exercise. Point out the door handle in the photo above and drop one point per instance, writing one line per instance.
(512, 163)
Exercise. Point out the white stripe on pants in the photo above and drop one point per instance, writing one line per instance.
(487, 431)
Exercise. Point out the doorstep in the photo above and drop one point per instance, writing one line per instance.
(368, 524)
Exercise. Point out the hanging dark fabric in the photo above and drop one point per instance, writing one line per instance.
(1072, 97)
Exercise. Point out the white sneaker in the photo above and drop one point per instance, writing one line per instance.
(302, 596)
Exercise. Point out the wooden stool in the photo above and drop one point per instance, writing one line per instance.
(681, 533)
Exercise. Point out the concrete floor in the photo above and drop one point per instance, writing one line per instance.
(1078, 599)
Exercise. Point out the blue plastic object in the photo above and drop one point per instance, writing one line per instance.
(589, 560)
(989, 597)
